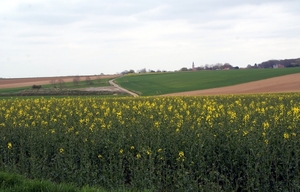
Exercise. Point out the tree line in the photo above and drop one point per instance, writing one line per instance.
(277, 63)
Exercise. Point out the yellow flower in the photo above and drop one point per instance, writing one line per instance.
(245, 133)
(99, 156)
(82, 121)
(295, 110)
(286, 135)
(61, 150)
(159, 150)
(121, 151)
(266, 125)
(9, 145)
(181, 154)
(132, 147)
(138, 155)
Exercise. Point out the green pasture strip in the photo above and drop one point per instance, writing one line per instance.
(63, 96)
(13, 182)
(163, 83)
(84, 84)
(204, 143)
(70, 85)
(14, 90)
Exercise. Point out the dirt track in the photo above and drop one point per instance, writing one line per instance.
(20, 82)
(287, 83)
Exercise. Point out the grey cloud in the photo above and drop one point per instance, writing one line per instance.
(42, 14)
(81, 32)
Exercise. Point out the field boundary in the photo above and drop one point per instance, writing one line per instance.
(281, 84)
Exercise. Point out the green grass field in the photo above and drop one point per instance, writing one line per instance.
(68, 85)
(163, 83)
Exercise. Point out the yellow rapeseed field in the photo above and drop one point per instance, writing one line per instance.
(209, 142)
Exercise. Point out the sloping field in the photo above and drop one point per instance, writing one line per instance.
(287, 83)
(167, 83)
(22, 82)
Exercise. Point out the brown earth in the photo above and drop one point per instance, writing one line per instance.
(21, 82)
(287, 83)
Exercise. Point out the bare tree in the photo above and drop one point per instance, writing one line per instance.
(88, 80)
(99, 79)
(144, 70)
(61, 83)
(53, 82)
(76, 80)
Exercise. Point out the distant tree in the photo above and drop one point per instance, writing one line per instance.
(227, 66)
(184, 69)
(208, 67)
(99, 79)
(88, 80)
(217, 66)
(199, 68)
(131, 71)
(61, 83)
(76, 80)
(143, 70)
(53, 82)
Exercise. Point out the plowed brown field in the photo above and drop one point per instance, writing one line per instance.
(22, 82)
(287, 83)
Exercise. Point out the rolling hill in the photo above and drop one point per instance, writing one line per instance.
(166, 83)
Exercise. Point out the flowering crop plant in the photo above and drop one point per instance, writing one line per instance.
(215, 143)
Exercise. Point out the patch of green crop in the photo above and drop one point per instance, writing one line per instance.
(163, 83)
(69, 85)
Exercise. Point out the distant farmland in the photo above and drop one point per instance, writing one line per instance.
(164, 83)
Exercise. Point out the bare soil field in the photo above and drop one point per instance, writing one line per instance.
(22, 82)
(287, 83)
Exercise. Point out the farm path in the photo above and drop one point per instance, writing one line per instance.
(121, 88)
(286, 83)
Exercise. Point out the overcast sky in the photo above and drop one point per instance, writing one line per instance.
(87, 37)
